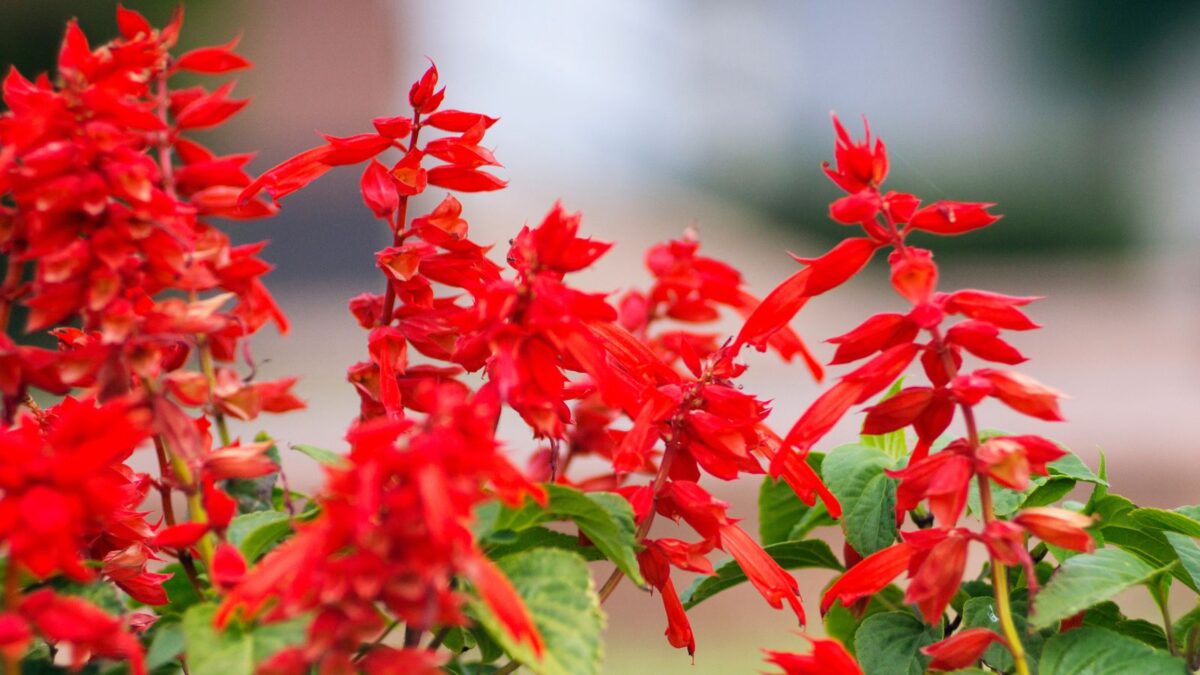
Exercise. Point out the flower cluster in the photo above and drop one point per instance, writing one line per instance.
(105, 208)
(934, 558)
(632, 403)
(542, 343)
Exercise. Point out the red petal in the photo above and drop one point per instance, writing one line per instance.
(821, 275)
(946, 217)
(212, 60)
(132, 24)
(457, 120)
(869, 576)
(498, 592)
(464, 179)
(181, 536)
(379, 190)
(961, 650)
(1024, 394)
(771, 580)
(983, 340)
(898, 411)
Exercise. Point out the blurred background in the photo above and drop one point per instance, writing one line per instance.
(1081, 118)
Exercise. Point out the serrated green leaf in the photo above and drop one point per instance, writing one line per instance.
(1085, 580)
(1170, 521)
(236, 650)
(321, 455)
(890, 644)
(789, 555)
(868, 505)
(871, 519)
(558, 591)
(256, 533)
(606, 519)
(1096, 651)
(780, 511)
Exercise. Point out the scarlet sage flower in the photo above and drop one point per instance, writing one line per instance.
(828, 657)
(1060, 527)
(961, 650)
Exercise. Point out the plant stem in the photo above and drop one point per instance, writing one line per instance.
(643, 530)
(398, 226)
(164, 490)
(508, 668)
(1161, 598)
(1000, 584)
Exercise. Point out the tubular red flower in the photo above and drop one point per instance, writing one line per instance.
(960, 650)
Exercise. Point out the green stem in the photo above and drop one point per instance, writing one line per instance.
(1161, 598)
(1000, 586)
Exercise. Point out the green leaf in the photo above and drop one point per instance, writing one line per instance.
(1187, 551)
(1111, 509)
(780, 511)
(1151, 546)
(558, 591)
(321, 455)
(1049, 492)
(167, 644)
(1005, 501)
(606, 519)
(179, 590)
(541, 537)
(894, 443)
(854, 473)
(1184, 624)
(1100, 491)
(1096, 651)
(1070, 466)
(843, 624)
(1170, 521)
(890, 644)
(1143, 631)
(981, 613)
(789, 554)
(1085, 580)
(236, 650)
(871, 519)
(256, 533)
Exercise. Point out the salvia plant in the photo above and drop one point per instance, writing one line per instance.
(426, 549)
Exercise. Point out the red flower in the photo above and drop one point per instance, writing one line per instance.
(871, 575)
(960, 650)
(1060, 527)
(83, 626)
(857, 165)
(935, 570)
(828, 657)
